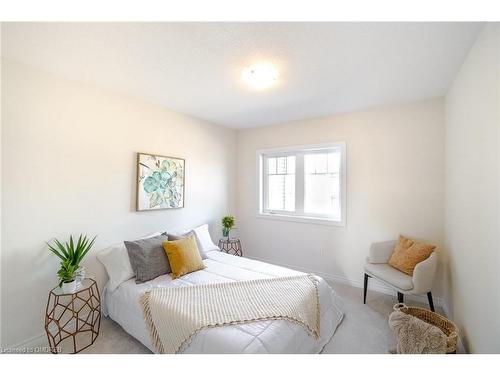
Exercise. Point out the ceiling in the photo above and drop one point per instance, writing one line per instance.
(195, 68)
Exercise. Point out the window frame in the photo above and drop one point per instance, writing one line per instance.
(298, 215)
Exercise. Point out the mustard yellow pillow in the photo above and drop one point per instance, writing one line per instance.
(408, 253)
(183, 256)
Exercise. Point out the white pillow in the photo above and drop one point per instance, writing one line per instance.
(203, 238)
(117, 263)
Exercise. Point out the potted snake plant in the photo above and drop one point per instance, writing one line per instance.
(71, 274)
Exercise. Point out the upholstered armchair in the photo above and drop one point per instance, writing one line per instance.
(378, 268)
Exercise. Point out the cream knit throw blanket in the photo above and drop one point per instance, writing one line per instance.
(174, 315)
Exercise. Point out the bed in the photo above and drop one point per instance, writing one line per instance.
(270, 336)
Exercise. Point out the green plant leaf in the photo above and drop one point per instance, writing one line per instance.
(56, 252)
(85, 248)
(80, 249)
(61, 248)
(80, 246)
(71, 248)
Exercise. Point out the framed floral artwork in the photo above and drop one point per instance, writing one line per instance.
(160, 182)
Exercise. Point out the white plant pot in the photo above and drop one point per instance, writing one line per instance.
(68, 288)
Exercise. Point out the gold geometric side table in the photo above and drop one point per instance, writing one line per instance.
(231, 246)
(72, 321)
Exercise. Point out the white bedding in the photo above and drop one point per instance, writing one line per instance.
(273, 336)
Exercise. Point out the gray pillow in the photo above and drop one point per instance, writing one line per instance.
(148, 258)
(175, 237)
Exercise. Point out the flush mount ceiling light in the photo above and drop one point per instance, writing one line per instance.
(260, 76)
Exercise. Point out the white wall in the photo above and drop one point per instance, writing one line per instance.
(395, 185)
(472, 226)
(69, 166)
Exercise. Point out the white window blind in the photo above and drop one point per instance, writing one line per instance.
(306, 182)
(281, 183)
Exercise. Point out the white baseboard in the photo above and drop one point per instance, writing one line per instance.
(39, 342)
(36, 342)
(373, 285)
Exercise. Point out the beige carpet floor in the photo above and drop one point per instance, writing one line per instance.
(364, 329)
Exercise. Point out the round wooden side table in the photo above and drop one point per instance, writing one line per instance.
(231, 246)
(72, 321)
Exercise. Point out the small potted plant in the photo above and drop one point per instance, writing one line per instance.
(227, 225)
(71, 254)
(67, 277)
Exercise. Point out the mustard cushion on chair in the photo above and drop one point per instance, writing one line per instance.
(183, 256)
(408, 253)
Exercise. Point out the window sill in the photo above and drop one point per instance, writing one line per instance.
(302, 219)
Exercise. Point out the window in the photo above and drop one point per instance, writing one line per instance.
(303, 183)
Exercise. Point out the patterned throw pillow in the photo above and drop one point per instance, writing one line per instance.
(408, 253)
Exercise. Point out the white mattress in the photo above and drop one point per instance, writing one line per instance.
(273, 336)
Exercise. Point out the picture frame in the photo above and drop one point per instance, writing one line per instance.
(160, 182)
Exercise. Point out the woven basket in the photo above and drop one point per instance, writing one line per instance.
(447, 326)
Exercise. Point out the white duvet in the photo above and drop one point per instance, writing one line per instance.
(273, 336)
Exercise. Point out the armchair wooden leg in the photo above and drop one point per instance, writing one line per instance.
(365, 288)
(431, 303)
(400, 297)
